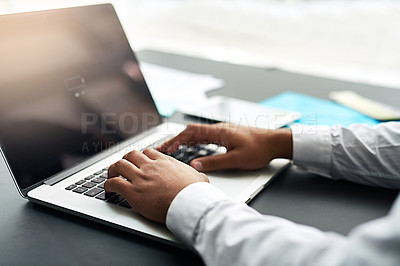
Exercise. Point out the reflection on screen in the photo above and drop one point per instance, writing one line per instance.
(70, 87)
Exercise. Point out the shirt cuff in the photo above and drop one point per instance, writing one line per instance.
(312, 149)
(189, 206)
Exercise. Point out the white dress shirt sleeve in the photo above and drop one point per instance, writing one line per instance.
(361, 154)
(225, 232)
(228, 233)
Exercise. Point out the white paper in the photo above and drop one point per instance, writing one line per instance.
(172, 88)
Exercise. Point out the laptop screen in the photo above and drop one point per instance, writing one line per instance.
(70, 87)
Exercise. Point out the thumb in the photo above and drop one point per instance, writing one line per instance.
(216, 162)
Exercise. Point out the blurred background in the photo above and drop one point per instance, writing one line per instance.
(355, 40)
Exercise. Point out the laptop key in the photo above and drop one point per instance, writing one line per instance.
(103, 175)
(101, 185)
(80, 190)
(93, 192)
(89, 185)
(116, 199)
(125, 204)
(105, 196)
(201, 153)
(179, 155)
(98, 180)
(192, 150)
(188, 153)
(174, 154)
(190, 158)
(89, 177)
(204, 152)
(70, 187)
(80, 182)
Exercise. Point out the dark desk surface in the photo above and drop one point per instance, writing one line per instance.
(32, 234)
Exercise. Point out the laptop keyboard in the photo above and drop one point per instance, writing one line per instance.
(93, 185)
(187, 154)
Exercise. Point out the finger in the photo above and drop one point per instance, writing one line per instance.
(118, 185)
(216, 162)
(184, 136)
(164, 146)
(194, 134)
(152, 153)
(137, 158)
(123, 168)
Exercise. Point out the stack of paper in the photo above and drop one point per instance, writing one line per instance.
(173, 88)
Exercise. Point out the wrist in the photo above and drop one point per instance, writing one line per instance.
(283, 143)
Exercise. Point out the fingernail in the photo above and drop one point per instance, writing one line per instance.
(198, 166)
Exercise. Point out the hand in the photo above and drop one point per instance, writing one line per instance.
(153, 181)
(247, 148)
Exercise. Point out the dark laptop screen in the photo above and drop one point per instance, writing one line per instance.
(70, 87)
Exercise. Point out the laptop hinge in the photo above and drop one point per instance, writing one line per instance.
(54, 180)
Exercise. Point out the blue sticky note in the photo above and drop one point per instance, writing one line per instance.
(316, 111)
(166, 108)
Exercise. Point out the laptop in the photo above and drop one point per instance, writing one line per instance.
(74, 101)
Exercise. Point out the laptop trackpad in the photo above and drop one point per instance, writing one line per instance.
(243, 185)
